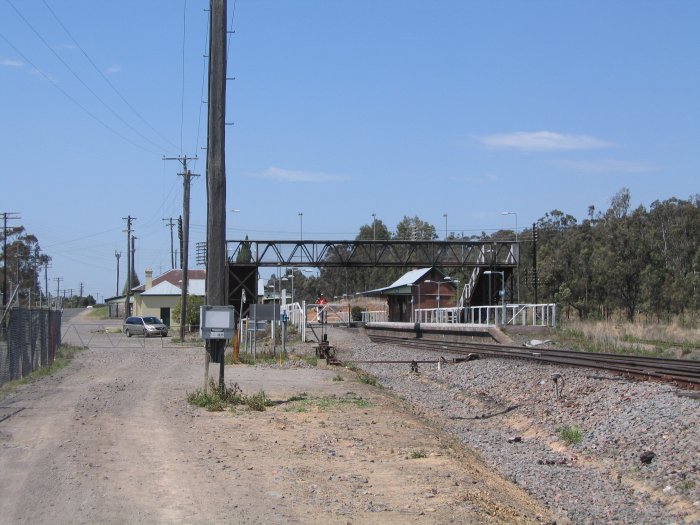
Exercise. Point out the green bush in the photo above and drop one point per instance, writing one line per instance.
(356, 313)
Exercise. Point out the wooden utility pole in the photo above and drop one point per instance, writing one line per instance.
(58, 291)
(186, 178)
(127, 302)
(217, 274)
(171, 223)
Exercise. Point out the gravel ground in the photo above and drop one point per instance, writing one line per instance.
(507, 411)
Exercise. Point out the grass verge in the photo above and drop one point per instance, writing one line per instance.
(270, 359)
(99, 312)
(64, 355)
(651, 340)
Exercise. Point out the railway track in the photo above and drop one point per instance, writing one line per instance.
(685, 372)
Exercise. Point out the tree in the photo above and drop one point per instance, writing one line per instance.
(414, 229)
(134, 282)
(192, 314)
(22, 259)
(245, 254)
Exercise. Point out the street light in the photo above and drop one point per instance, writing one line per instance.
(287, 278)
(445, 215)
(374, 226)
(413, 308)
(301, 235)
(447, 280)
(517, 260)
(503, 293)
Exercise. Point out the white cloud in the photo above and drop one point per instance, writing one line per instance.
(542, 141)
(298, 176)
(7, 62)
(604, 166)
(114, 69)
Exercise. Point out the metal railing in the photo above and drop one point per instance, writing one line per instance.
(515, 314)
(376, 316)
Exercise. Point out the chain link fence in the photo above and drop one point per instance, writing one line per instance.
(29, 340)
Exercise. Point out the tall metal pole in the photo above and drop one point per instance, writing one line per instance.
(117, 255)
(217, 274)
(445, 215)
(171, 224)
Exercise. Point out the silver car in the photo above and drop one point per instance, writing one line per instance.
(144, 326)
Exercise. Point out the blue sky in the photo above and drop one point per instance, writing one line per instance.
(340, 110)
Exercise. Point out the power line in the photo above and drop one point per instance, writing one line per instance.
(78, 78)
(182, 89)
(106, 79)
(69, 97)
(204, 79)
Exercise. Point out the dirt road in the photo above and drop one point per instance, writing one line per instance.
(111, 439)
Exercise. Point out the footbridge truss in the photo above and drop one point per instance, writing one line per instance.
(455, 253)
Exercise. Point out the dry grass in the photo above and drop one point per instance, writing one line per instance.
(663, 340)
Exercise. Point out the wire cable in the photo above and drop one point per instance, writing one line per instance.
(74, 101)
(106, 79)
(77, 77)
(201, 96)
(182, 89)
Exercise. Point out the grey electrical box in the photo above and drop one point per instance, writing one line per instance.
(217, 322)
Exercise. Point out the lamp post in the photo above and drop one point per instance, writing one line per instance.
(374, 226)
(413, 308)
(517, 261)
(447, 280)
(445, 215)
(503, 293)
(301, 235)
(290, 276)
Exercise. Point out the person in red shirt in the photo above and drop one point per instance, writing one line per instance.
(321, 302)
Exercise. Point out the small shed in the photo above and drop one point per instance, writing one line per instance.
(417, 289)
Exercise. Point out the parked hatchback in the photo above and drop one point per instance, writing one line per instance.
(144, 326)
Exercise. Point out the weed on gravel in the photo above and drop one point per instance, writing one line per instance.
(570, 434)
(304, 404)
(364, 377)
(216, 399)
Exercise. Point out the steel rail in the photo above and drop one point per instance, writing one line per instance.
(685, 371)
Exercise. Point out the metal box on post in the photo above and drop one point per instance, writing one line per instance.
(217, 322)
